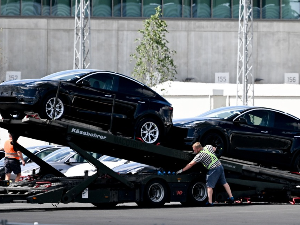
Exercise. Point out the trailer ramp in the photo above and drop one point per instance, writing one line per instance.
(91, 138)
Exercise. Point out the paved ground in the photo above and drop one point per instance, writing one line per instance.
(171, 214)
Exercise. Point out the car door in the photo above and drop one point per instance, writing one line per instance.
(131, 100)
(94, 97)
(286, 130)
(251, 140)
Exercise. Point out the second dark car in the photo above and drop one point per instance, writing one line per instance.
(106, 99)
(263, 135)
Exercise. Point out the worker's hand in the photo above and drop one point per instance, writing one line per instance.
(23, 162)
(179, 171)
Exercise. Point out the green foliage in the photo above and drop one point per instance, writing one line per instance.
(154, 62)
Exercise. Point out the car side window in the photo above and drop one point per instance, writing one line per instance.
(103, 81)
(286, 122)
(260, 118)
(130, 87)
(44, 153)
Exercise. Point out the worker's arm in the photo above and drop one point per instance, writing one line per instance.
(188, 166)
(21, 157)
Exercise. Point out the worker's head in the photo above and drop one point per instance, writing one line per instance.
(197, 147)
(9, 136)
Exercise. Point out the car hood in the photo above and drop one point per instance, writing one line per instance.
(185, 122)
(26, 82)
(78, 170)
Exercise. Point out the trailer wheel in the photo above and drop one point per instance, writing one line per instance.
(148, 130)
(215, 140)
(105, 205)
(197, 194)
(48, 111)
(155, 194)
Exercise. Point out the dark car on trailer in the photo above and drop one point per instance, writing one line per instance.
(106, 99)
(263, 135)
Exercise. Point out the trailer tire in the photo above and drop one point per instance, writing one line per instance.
(155, 194)
(215, 140)
(106, 205)
(196, 195)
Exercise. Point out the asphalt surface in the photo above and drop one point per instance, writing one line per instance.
(131, 214)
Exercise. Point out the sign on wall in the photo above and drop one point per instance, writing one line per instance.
(221, 77)
(13, 75)
(291, 78)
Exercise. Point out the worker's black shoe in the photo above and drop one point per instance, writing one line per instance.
(209, 204)
(230, 200)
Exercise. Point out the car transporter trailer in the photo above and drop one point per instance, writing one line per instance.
(107, 188)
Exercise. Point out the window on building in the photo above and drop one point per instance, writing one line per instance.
(149, 7)
(262, 9)
(186, 9)
(102, 8)
(31, 8)
(45, 7)
(201, 8)
(270, 9)
(116, 8)
(235, 8)
(172, 8)
(256, 9)
(290, 9)
(10, 7)
(132, 8)
(61, 8)
(221, 9)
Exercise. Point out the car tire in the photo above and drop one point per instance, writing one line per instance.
(148, 130)
(196, 194)
(215, 140)
(17, 115)
(155, 194)
(48, 110)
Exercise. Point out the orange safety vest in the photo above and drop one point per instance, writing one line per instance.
(9, 150)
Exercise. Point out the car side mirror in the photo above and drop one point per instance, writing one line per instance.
(240, 120)
(72, 160)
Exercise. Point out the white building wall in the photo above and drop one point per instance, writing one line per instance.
(40, 46)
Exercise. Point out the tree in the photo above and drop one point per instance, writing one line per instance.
(154, 63)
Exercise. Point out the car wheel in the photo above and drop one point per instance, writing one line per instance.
(296, 164)
(196, 195)
(48, 110)
(215, 140)
(155, 194)
(15, 115)
(149, 131)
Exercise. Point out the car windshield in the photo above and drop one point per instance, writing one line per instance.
(223, 113)
(57, 155)
(66, 75)
(32, 150)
